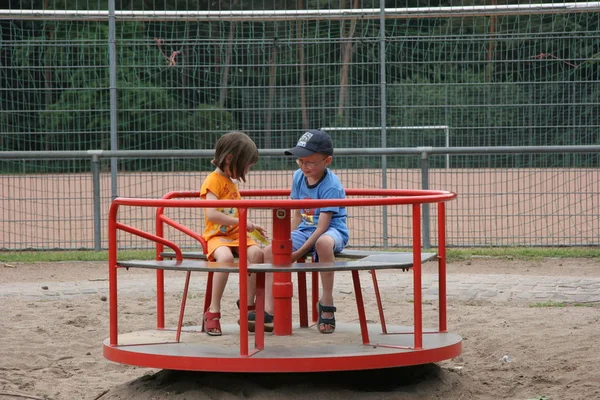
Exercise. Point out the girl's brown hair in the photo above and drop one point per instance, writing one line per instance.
(243, 153)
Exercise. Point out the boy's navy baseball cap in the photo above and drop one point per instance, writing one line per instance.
(313, 141)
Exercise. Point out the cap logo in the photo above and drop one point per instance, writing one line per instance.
(304, 139)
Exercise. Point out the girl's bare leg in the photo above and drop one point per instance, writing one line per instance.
(222, 254)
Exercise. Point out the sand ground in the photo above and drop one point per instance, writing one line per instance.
(55, 319)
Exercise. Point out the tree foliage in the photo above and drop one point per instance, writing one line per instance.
(504, 80)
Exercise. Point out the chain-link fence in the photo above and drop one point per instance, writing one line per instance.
(147, 75)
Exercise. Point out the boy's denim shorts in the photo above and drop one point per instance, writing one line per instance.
(299, 237)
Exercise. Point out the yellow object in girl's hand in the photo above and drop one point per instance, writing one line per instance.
(258, 237)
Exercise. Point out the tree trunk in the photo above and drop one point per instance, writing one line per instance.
(226, 67)
(346, 59)
(228, 55)
(272, 82)
(301, 71)
(490, 67)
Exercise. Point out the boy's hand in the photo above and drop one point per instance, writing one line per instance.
(296, 255)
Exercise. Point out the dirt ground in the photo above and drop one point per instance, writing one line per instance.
(52, 347)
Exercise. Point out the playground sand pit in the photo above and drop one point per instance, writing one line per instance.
(55, 318)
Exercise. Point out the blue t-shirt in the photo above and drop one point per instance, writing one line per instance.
(328, 187)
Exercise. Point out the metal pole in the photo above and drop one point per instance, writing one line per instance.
(447, 130)
(383, 116)
(425, 186)
(96, 193)
(305, 15)
(112, 64)
(374, 151)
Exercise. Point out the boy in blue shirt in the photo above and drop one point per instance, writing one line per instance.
(321, 231)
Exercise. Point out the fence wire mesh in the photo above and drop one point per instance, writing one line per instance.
(184, 72)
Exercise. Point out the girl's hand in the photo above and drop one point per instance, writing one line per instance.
(251, 226)
(258, 233)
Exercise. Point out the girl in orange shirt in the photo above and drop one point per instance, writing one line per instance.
(235, 153)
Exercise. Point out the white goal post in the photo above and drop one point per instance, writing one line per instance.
(444, 128)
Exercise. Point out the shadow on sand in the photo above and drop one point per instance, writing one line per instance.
(348, 384)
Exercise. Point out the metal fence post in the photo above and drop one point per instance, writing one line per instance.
(383, 116)
(425, 186)
(96, 194)
(112, 73)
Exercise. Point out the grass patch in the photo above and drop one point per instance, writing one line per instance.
(561, 304)
(548, 304)
(523, 253)
(424, 302)
(453, 254)
(73, 255)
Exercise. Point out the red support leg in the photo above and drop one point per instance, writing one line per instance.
(112, 275)
(160, 274)
(360, 305)
(442, 265)
(379, 304)
(243, 284)
(418, 306)
(182, 309)
(160, 299)
(303, 309)
(259, 333)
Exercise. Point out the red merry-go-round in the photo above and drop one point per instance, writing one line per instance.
(295, 345)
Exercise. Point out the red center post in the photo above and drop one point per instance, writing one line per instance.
(282, 281)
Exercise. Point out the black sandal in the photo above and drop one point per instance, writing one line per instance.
(321, 322)
(252, 318)
(252, 322)
(251, 307)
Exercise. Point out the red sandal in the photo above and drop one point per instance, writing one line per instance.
(212, 325)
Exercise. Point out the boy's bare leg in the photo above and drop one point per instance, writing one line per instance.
(251, 289)
(324, 248)
(255, 256)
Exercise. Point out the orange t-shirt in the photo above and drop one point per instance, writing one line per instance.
(221, 235)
